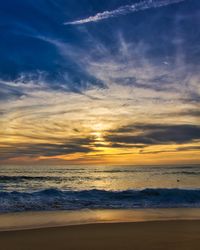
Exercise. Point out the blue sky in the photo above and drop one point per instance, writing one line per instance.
(130, 62)
(30, 31)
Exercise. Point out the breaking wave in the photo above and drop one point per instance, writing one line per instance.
(55, 199)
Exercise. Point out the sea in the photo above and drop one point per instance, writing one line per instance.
(52, 188)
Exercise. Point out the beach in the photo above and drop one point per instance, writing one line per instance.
(162, 235)
(161, 229)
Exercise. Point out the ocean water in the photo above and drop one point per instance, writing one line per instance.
(39, 188)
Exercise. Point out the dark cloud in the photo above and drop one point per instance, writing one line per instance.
(159, 83)
(195, 113)
(79, 145)
(8, 92)
(125, 145)
(152, 134)
(187, 148)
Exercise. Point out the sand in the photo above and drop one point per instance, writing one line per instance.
(171, 235)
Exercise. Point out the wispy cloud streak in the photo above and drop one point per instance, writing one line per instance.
(123, 10)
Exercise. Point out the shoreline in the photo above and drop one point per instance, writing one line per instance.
(53, 219)
(160, 235)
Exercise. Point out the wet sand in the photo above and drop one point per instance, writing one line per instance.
(163, 235)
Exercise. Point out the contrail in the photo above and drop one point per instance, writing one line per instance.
(123, 10)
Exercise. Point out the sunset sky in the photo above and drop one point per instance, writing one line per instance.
(99, 82)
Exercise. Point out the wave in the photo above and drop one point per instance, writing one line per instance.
(23, 177)
(55, 199)
(20, 178)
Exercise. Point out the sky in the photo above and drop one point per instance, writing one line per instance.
(100, 82)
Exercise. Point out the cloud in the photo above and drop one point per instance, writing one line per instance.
(134, 90)
(154, 134)
(7, 92)
(123, 86)
(51, 123)
(178, 149)
(192, 113)
(123, 10)
(76, 145)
